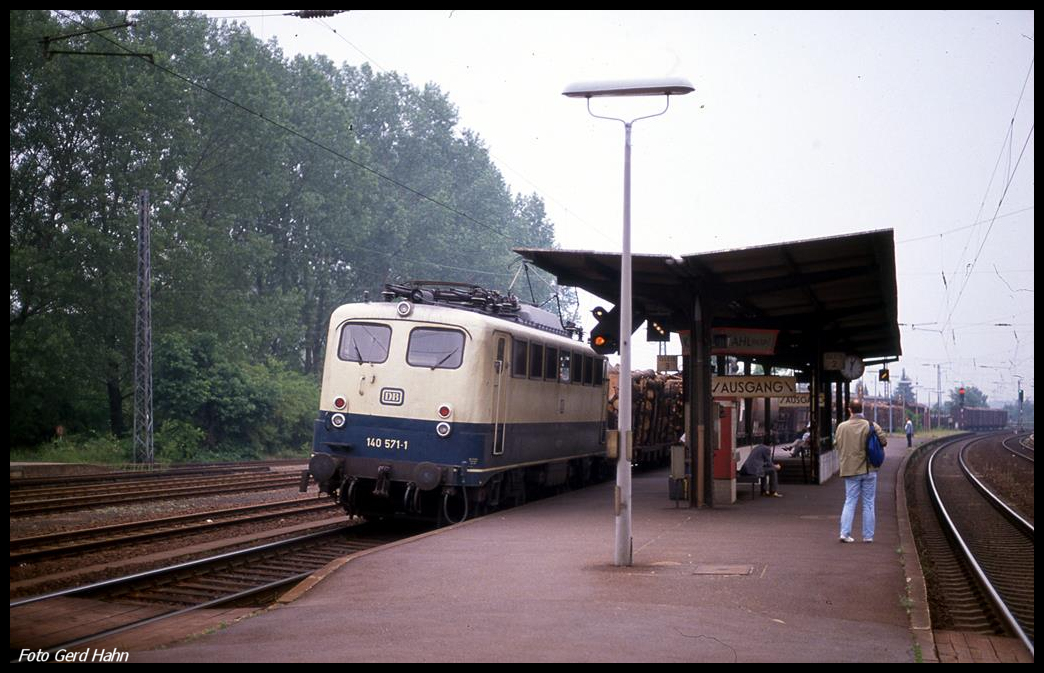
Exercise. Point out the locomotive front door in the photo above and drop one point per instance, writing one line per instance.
(500, 385)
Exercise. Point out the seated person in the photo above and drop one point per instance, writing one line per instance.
(802, 445)
(759, 464)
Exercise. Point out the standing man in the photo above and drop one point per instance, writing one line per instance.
(909, 433)
(860, 478)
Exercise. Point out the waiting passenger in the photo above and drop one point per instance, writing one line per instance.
(759, 464)
(802, 445)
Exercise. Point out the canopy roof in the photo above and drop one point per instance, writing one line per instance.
(827, 294)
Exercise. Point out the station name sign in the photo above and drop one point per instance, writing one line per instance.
(753, 386)
(743, 341)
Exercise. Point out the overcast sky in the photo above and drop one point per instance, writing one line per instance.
(802, 125)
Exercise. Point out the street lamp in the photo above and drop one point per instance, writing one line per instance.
(672, 86)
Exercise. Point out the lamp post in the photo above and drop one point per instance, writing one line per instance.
(675, 86)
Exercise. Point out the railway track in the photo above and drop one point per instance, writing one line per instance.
(251, 577)
(978, 560)
(23, 483)
(40, 547)
(1020, 445)
(38, 501)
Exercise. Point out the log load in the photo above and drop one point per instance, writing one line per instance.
(657, 403)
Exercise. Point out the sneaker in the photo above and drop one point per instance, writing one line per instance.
(868, 539)
(847, 538)
(776, 495)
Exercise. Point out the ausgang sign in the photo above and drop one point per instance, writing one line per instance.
(753, 386)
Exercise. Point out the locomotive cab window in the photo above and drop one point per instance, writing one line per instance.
(364, 342)
(435, 348)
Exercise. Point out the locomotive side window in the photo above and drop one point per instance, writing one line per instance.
(536, 361)
(564, 367)
(589, 365)
(519, 351)
(599, 371)
(578, 368)
(435, 348)
(550, 363)
(364, 342)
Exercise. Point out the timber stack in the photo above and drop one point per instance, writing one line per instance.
(658, 406)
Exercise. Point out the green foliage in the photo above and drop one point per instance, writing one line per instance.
(973, 397)
(178, 441)
(1027, 413)
(86, 447)
(257, 232)
(233, 405)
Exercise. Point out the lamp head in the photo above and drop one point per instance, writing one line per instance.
(668, 86)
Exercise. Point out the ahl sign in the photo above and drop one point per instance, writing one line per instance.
(743, 341)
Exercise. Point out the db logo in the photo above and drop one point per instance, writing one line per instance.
(393, 397)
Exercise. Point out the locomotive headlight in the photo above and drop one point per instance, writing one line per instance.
(445, 411)
(443, 429)
(404, 308)
(337, 420)
(341, 402)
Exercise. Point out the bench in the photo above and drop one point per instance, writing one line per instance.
(755, 483)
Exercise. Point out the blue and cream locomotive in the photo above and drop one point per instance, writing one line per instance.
(445, 400)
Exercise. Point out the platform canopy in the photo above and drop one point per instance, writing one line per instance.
(823, 295)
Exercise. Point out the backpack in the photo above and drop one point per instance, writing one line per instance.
(875, 454)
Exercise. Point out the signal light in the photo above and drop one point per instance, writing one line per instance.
(960, 392)
(605, 337)
(654, 331)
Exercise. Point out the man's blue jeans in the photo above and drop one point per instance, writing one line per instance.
(864, 485)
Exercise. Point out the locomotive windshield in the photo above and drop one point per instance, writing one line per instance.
(364, 342)
(435, 348)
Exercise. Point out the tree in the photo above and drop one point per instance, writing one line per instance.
(280, 189)
(973, 397)
(1027, 413)
(904, 393)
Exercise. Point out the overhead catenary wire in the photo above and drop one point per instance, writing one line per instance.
(1008, 137)
(540, 190)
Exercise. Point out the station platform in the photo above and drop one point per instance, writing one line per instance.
(763, 580)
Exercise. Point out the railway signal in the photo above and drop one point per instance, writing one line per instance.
(605, 337)
(655, 332)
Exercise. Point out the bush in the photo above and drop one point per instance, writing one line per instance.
(218, 404)
(85, 448)
(178, 441)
